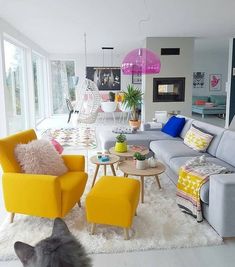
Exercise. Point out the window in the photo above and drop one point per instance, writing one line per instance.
(37, 62)
(15, 87)
(62, 73)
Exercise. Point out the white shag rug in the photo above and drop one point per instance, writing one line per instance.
(159, 224)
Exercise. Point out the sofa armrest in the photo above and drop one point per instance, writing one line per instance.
(152, 126)
(222, 204)
(74, 162)
(32, 194)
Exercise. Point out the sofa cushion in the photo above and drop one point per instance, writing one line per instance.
(198, 139)
(218, 99)
(174, 126)
(196, 98)
(176, 163)
(226, 151)
(167, 149)
(200, 102)
(215, 130)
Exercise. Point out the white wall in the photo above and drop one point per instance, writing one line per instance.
(171, 66)
(211, 62)
(29, 46)
(96, 60)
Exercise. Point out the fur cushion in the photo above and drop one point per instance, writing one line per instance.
(40, 157)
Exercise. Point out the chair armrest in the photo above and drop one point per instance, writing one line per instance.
(32, 194)
(222, 204)
(74, 162)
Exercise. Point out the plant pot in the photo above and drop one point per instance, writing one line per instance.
(141, 164)
(134, 124)
(120, 147)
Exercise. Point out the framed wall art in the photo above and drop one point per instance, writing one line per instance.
(198, 79)
(106, 78)
(215, 82)
(136, 78)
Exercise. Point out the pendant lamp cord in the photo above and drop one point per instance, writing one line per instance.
(147, 18)
(85, 51)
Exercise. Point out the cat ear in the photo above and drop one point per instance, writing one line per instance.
(24, 251)
(60, 228)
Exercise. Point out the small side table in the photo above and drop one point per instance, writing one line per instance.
(128, 168)
(128, 154)
(113, 159)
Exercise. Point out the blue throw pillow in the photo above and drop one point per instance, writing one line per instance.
(174, 126)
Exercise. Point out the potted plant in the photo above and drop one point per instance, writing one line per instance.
(111, 96)
(132, 98)
(140, 161)
(120, 145)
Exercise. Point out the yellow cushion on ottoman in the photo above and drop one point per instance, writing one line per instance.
(113, 200)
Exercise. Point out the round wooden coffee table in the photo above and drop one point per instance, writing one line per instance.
(128, 168)
(129, 154)
(112, 159)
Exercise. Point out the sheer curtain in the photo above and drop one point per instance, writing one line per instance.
(62, 84)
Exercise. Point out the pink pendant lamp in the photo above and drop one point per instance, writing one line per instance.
(141, 61)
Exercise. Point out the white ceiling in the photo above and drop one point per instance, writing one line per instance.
(58, 26)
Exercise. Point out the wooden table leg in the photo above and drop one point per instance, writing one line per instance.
(113, 169)
(117, 165)
(142, 189)
(93, 228)
(96, 172)
(105, 170)
(158, 182)
(126, 234)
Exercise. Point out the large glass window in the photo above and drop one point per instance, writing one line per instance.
(15, 87)
(37, 62)
(62, 73)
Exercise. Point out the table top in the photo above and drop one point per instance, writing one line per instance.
(128, 167)
(130, 151)
(112, 159)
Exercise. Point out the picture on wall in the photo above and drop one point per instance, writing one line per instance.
(215, 82)
(198, 79)
(106, 78)
(137, 78)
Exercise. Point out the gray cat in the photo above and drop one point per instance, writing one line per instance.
(61, 249)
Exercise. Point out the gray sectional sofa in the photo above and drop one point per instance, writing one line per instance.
(218, 194)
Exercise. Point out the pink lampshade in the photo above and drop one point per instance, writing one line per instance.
(141, 61)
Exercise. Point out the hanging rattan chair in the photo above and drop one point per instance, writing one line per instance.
(89, 103)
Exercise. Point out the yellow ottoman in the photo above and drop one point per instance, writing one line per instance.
(113, 201)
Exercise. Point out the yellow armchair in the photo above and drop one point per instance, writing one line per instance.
(39, 195)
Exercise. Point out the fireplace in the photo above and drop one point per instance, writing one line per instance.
(168, 89)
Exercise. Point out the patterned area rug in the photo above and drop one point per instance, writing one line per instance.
(159, 224)
(81, 138)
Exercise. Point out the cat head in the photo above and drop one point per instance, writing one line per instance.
(61, 249)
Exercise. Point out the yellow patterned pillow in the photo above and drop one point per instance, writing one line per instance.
(198, 139)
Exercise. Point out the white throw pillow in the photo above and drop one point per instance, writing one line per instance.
(40, 157)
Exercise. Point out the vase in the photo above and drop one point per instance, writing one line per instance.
(141, 164)
(152, 162)
(120, 147)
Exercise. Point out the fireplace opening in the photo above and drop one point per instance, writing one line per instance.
(169, 89)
